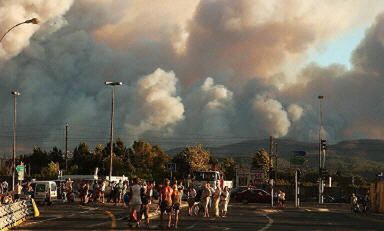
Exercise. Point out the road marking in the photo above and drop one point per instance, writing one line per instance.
(38, 222)
(112, 216)
(270, 222)
(191, 227)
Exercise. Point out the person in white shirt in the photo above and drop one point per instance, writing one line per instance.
(224, 201)
(191, 199)
(216, 200)
(5, 186)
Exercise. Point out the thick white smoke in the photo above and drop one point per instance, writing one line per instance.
(247, 47)
(271, 116)
(209, 111)
(16, 11)
(157, 104)
(295, 112)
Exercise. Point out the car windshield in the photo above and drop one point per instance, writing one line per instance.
(40, 188)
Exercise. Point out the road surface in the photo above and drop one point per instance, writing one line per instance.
(241, 217)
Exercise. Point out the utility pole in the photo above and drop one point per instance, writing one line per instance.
(66, 149)
(15, 94)
(297, 200)
(275, 161)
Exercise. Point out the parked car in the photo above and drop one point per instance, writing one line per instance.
(45, 191)
(236, 190)
(253, 196)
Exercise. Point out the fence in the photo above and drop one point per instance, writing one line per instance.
(377, 196)
(13, 214)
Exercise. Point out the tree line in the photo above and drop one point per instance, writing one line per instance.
(142, 159)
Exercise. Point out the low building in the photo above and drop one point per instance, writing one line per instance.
(246, 176)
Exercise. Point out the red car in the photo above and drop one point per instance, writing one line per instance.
(253, 196)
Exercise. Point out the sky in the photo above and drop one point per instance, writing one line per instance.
(211, 72)
(343, 45)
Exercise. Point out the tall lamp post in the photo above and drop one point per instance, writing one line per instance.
(32, 21)
(15, 94)
(112, 84)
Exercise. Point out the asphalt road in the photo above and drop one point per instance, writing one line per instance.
(240, 217)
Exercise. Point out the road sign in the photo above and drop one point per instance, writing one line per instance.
(172, 167)
(20, 168)
(297, 160)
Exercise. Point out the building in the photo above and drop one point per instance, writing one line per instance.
(246, 176)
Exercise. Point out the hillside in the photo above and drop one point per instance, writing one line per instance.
(357, 155)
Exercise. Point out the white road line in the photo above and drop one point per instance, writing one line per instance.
(191, 226)
(38, 222)
(270, 222)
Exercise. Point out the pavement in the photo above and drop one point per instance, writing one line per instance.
(240, 217)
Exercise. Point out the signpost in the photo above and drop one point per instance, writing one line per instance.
(172, 168)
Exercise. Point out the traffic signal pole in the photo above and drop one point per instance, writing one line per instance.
(297, 200)
(321, 163)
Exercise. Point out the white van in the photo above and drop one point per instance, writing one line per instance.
(45, 191)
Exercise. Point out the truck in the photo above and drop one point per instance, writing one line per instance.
(213, 177)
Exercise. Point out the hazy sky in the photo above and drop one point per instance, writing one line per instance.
(194, 71)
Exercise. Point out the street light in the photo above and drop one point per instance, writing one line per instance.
(113, 84)
(15, 94)
(31, 21)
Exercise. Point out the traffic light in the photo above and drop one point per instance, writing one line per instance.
(272, 175)
(323, 145)
(298, 174)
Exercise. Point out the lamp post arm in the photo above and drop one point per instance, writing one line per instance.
(10, 30)
(32, 21)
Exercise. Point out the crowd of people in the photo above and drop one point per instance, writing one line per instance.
(8, 195)
(137, 196)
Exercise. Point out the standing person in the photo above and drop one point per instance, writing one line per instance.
(366, 202)
(180, 187)
(112, 191)
(212, 191)
(191, 199)
(166, 203)
(84, 192)
(146, 201)
(102, 190)
(354, 203)
(5, 187)
(216, 200)
(281, 199)
(176, 202)
(205, 199)
(69, 190)
(135, 202)
(224, 201)
(18, 190)
(118, 192)
(157, 196)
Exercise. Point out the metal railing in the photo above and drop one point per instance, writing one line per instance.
(15, 213)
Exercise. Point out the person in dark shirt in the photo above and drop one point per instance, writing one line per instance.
(145, 200)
